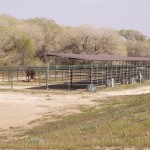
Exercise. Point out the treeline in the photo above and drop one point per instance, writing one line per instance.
(25, 42)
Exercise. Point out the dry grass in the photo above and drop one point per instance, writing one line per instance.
(118, 122)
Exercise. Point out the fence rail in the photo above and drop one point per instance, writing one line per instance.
(100, 74)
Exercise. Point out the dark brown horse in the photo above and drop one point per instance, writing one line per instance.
(30, 73)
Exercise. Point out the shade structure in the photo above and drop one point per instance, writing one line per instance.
(106, 70)
(103, 57)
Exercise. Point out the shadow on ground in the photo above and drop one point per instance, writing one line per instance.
(60, 87)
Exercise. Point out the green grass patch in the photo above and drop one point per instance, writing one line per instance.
(122, 121)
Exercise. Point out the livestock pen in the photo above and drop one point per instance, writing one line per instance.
(95, 70)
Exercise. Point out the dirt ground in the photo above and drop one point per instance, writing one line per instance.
(23, 108)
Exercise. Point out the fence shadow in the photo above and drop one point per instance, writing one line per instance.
(59, 87)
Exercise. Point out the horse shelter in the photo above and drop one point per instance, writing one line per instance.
(90, 71)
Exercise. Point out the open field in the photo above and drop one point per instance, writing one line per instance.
(74, 120)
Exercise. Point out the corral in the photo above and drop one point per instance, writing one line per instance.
(97, 70)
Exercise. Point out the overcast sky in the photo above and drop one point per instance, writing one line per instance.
(117, 14)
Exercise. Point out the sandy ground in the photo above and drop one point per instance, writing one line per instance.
(19, 109)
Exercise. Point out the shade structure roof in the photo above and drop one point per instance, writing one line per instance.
(103, 57)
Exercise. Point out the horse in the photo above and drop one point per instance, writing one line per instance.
(30, 73)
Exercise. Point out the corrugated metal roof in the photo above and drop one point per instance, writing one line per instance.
(103, 57)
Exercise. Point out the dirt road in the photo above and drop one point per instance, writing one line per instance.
(18, 109)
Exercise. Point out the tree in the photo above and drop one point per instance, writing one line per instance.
(132, 35)
(137, 44)
(137, 49)
(17, 47)
(109, 42)
(25, 48)
(50, 33)
(89, 40)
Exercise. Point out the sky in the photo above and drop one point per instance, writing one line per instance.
(117, 14)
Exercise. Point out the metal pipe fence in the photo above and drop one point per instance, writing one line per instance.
(69, 76)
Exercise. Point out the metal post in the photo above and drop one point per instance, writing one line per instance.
(112, 82)
(97, 74)
(69, 79)
(91, 73)
(11, 77)
(102, 72)
(3, 75)
(39, 76)
(106, 70)
(62, 76)
(127, 75)
(140, 76)
(8, 76)
(148, 71)
(17, 73)
(47, 73)
(111, 70)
